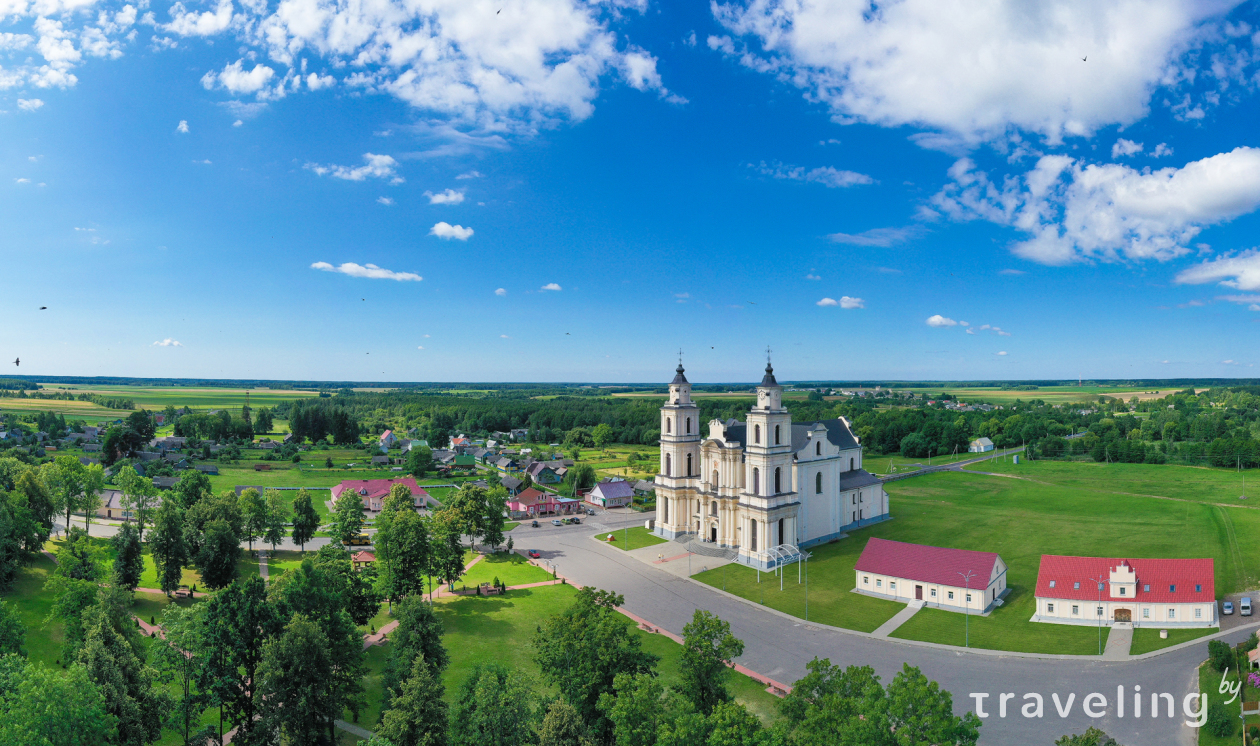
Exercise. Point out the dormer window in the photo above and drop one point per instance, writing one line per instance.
(1051, 583)
(1172, 589)
(1076, 586)
(1198, 588)
(1146, 588)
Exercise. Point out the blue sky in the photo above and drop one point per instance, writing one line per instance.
(937, 190)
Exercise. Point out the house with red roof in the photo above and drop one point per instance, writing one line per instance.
(1145, 592)
(949, 579)
(388, 439)
(374, 491)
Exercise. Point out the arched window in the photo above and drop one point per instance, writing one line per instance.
(757, 433)
(668, 463)
(715, 479)
(667, 424)
(689, 426)
(776, 435)
(688, 466)
(850, 464)
(756, 481)
(753, 534)
(818, 483)
(781, 523)
(818, 448)
(713, 508)
(665, 511)
(778, 486)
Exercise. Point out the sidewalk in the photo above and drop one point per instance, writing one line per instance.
(900, 618)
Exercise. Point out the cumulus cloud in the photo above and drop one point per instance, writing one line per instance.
(29, 104)
(550, 286)
(1240, 271)
(938, 320)
(168, 342)
(504, 336)
(844, 302)
(421, 347)
(973, 70)
(446, 197)
(368, 271)
(500, 292)
(237, 123)
(182, 127)
(1001, 354)
(882, 237)
(235, 79)
(447, 231)
(1161, 150)
(1123, 147)
(207, 23)
(315, 81)
(470, 175)
(825, 175)
(385, 201)
(21, 181)
(1075, 211)
(828, 302)
(376, 167)
(812, 276)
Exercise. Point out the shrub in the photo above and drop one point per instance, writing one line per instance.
(1220, 723)
(1221, 655)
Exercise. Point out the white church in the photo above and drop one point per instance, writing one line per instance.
(764, 487)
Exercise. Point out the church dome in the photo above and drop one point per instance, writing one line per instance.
(768, 378)
(678, 376)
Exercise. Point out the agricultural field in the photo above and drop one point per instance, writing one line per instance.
(1020, 519)
(207, 397)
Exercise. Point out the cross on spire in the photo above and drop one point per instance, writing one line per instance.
(767, 354)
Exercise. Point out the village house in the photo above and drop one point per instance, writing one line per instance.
(374, 491)
(1145, 592)
(609, 494)
(387, 439)
(949, 579)
(980, 445)
(532, 503)
(511, 484)
(541, 473)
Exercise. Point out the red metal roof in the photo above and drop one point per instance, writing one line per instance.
(526, 498)
(364, 557)
(926, 564)
(377, 487)
(1160, 575)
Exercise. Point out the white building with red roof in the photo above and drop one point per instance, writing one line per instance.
(1146, 592)
(949, 579)
(374, 491)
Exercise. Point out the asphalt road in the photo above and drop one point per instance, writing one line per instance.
(779, 647)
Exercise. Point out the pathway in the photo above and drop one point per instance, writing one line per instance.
(900, 618)
(262, 563)
(1119, 641)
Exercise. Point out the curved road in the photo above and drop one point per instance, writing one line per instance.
(779, 646)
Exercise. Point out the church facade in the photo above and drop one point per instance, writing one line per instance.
(763, 483)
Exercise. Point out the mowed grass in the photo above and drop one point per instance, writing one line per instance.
(27, 597)
(1147, 639)
(897, 464)
(1020, 520)
(635, 537)
(510, 568)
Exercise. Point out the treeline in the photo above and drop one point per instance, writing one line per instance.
(922, 431)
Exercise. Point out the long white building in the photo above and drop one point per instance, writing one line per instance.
(1145, 592)
(762, 483)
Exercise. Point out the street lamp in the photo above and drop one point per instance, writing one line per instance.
(1098, 610)
(967, 576)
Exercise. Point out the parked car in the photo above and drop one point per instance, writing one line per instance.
(575, 519)
(1227, 607)
(533, 524)
(556, 522)
(533, 554)
(590, 511)
(1244, 606)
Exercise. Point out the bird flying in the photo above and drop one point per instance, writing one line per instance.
(1085, 58)
(43, 308)
(18, 362)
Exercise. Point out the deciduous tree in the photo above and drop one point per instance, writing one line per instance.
(305, 519)
(707, 645)
(253, 515)
(166, 545)
(128, 557)
(417, 716)
(348, 516)
(296, 682)
(277, 518)
(494, 708)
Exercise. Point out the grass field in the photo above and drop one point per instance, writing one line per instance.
(1146, 639)
(895, 464)
(510, 568)
(1020, 520)
(638, 537)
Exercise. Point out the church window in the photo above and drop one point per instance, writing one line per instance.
(756, 482)
(778, 486)
(667, 424)
(850, 464)
(688, 465)
(776, 435)
(689, 426)
(715, 478)
(757, 434)
(818, 448)
(782, 523)
(668, 461)
(753, 532)
(713, 508)
(818, 483)
(665, 511)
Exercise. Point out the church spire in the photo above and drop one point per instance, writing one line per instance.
(768, 378)
(678, 372)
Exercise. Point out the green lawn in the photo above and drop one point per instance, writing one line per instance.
(897, 464)
(26, 596)
(1020, 520)
(1146, 639)
(510, 568)
(1209, 682)
(634, 538)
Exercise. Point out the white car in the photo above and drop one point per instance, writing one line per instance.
(1244, 606)
(1227, 607)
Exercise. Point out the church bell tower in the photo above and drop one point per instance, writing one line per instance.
(679, 476)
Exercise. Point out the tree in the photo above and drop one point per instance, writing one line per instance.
(328, 463)
(1220, 654)
(139, 495)
(90, 499)
(579, 477)
(305, 519)
(128, 558)
(637, 708)
(239, 620)
(277, 517)
(220, 551)
(446, 552)
(494, 708)
(707, 645)
(12, 632)
(417, 716)
(253, 515)
(79, 558)
(48, 706)
(602, 434)
(496, 507)
(348, 516)
(126, 684)
(166, 544)
(419, 461)
(38, 498)
(296, 682)
(1091, 737)
(468, 507)
(178, 659)
(64, 479)
(418, 635)
(262, 421)
(192, 486)
(562, 726)
(582, 649)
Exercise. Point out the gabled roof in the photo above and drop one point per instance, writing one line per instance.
(927, 564)
(614, 489)
(982, 442)
(1162, 575)
(510, 483)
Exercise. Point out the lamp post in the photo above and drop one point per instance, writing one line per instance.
(967, 576)
(1098, 609)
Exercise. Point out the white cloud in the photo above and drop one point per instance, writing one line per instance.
(500, 292)
(1078, 212)
(1229, 362)
(825, 175)
(237, 80)
(812, 276)
(447, 197)
(182, 127)
(504, 336)
(1161, 150)
(847, 302)
(883, 237)
(369, 271)
(168, 342)
(202, 162)
(938, 320)
(470, 175)
(377, 166)
(22, 181)
(550, 286)
(1123, 147)
(963, 323)
(237, 123)
(206, 23)
(447, 231)
(426, 336)
(315, 81)
(682, 296)
(971, 331)
(29, 104)
(1015, 272)
(1002, 353)
(828, 302)
(975, 70)
(421, 347)
(385, 200)
(1240, 271)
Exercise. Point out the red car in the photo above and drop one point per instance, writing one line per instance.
(533, 554)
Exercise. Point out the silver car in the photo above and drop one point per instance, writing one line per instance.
(1227, 607)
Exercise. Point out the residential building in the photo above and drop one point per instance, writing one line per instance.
(541, 473)
(950, 579)
(374, 491)
(1146, 592)
(763, 487)
(980, 445)
(511, 484)
(609, 494)
(387, 439)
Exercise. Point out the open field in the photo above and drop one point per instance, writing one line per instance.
(896, 464)
(1020, 520)
(197, 397)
